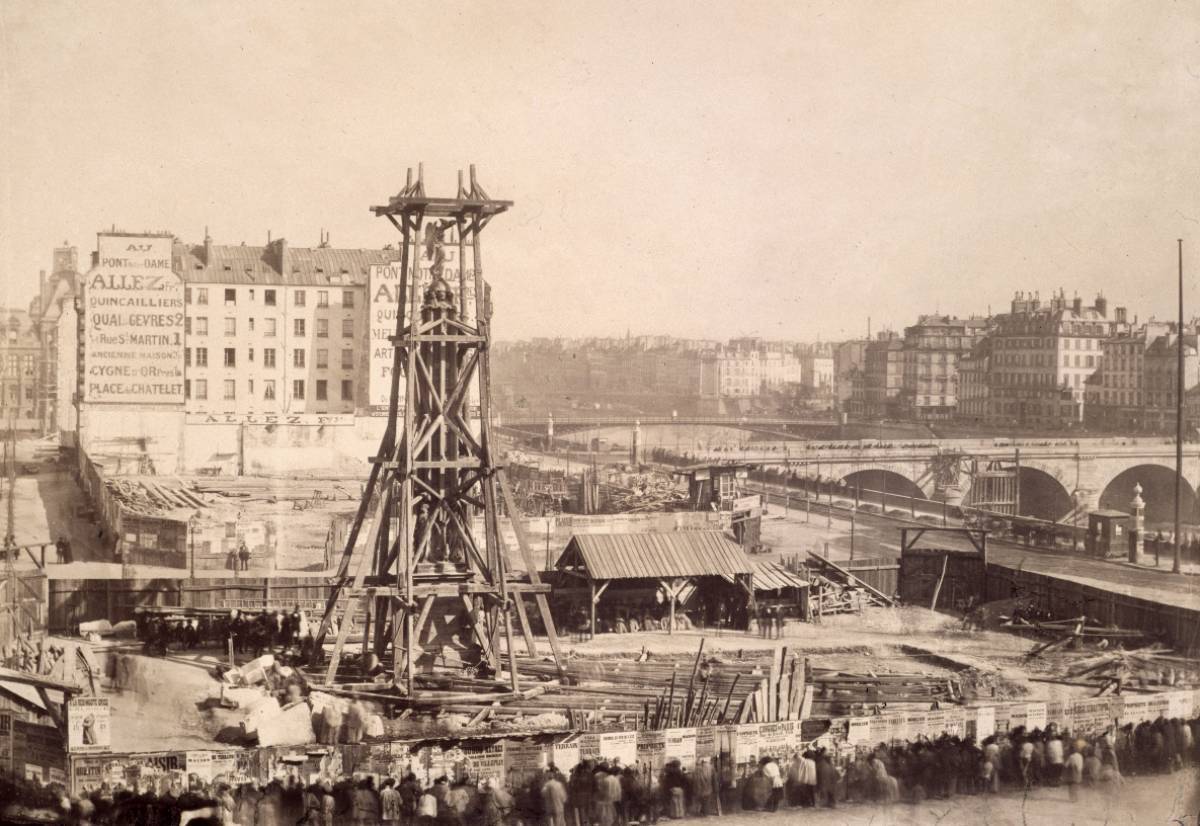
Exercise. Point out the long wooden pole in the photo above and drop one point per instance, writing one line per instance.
(1180, 390)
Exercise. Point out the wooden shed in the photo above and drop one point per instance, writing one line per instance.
(636, 571)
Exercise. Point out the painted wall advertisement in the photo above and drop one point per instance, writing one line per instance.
(384, 291)
(88, 725)
(133, 323)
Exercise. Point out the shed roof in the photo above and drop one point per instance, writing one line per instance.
(657, 555)
(771, 576)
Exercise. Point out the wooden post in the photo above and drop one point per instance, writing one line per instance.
(671, 591)
(937, 590)
(592, 608)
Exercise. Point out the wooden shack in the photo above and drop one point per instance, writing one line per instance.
(943, 567)
(1108, 534)
(648, 576)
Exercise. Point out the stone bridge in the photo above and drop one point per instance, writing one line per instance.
(1057, 478)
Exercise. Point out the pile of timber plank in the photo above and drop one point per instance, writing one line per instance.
(664, 694)
(838, 591)
(836, 692)
(1075, 629)
(1144, 669)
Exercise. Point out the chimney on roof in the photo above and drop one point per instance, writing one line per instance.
(1102, 306)
(207, 248)
(1077, 305)
(281, 251)
(1122, 315)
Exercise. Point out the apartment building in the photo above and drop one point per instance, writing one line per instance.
(275, 329)
(933, 348)
(1042, 357)
(19, 358)
(1135, 388)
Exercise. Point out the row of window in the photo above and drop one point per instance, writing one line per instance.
(268, 357)
(199, 295)
(1002, 343)
(199, 326)
(198, 389)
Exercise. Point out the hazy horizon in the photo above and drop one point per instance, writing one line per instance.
(705, 171)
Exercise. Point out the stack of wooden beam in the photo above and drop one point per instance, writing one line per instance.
(835, 590)
(665, 694)
(840, 692)
(1143, 669)
(1072, 631)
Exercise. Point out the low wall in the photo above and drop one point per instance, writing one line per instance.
(1063, 599)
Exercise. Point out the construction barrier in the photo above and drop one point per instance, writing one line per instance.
(513, 759)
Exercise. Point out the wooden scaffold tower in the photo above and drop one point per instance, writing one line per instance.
(434, 603)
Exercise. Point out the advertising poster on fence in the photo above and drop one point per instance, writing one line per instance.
(746, 745)
(565, 756)
(1135, 709)
(589, 747)
(985, 722)
(681, 746)
(1035, 716)
(652, 750)
(522, 762)
(485, 764)
(1091, 717)
(619, 745)
(914, 725)
(859, 731)
(200, 764)
(88, 721)
(1179, 704)
(1159, 705)
(778, 739)
(955, 723)
(706, 743)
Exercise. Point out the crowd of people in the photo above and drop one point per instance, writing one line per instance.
(607, 793)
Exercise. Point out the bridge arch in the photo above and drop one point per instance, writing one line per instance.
(1043, 496)
(1158, 491)
(877, 484)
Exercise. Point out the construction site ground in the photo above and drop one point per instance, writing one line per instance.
(168, 704)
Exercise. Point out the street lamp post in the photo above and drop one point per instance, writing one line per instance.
(1075, 521)
(853, 514)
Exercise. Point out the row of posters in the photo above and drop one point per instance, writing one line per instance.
(515, 762)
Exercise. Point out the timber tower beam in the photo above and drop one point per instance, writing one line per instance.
(432, 602)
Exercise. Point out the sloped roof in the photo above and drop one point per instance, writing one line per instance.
(771, 576)
(658, 555)
(277, 264)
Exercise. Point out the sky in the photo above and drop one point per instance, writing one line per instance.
(716, 169)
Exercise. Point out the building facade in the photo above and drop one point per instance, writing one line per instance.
(54, 304)
(932, 350)
(275, 329)
(20, 353)
(1135, 387)
(973, 370)
(877, 388)
(1042, 355)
